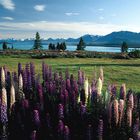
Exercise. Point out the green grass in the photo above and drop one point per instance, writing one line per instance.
(115, 70)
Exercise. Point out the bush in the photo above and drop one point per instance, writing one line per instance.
(135, 53)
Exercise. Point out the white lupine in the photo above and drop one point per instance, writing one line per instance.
(12, 96)
(101, 74)
(20, 82)
(86, 89)
(99, 86)
(2, 77)
(121, 110)
(4, 97)
(129, 116)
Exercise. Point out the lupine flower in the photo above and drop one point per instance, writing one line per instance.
(80, 79)
(131, 101)
(60, 111)
(60, 127)
(66, 133)
(20, 82)
(33, 135)
(12, 96)
(101, 74)
(115, 111)
(129, 116)
(36, 118)
(2, 77)
(86, 90)
(3, 106)
(99, 86)
(100, 130)
(32, 71)
(121, 110)
(123, 92)
(136, 129)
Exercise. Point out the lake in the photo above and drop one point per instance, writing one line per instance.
(26, 45)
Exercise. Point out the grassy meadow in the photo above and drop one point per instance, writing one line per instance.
(116, 71)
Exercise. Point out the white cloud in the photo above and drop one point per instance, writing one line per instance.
(71, 14)
(64, 29)
(8, 4)
(8, 18)
(100, 9)
(39, 8)
(101, 18)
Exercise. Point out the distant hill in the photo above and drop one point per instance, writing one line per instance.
(114, 38)
(119, 37)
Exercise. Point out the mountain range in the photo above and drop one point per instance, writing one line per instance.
(114, 38)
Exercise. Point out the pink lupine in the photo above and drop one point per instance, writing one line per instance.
(121, 110)
(129, 116)
(36, 118)
(123, 92)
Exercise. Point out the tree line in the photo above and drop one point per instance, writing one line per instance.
(61, 46)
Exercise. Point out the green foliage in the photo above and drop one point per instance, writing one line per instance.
(4, 46)
(124, 47)
(81, 45)
(37, 42)
(51, 46)
(135, 53)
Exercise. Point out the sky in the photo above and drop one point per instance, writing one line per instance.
(67, 18)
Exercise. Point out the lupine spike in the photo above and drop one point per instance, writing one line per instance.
(2, 77)
(101, 74)
(12, 96)
(123, 92)
(86, 87)
(99, 86)
(20, 82)
(121, 110)
(115, 111)
(129, 116)
(66, 133)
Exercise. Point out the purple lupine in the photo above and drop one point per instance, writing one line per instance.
(40, 94)
(136, 128)
(100, 130)
(67, 75)
(123, 92)
(36, 118)
(29, 81)
(60, 128)
(24, 80)
(66, 133)
(60, 111)
(32, 71)
(68, 85)
(82, 109)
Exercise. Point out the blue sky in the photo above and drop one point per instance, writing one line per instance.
(67, 18)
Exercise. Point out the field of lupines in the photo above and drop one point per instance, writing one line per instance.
(52, 106)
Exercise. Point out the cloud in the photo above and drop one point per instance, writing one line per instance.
(7, 4)
(39, 8)
(8, 18)
(65, 29)
(113, 15)
(100, 9)
(71, 14)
